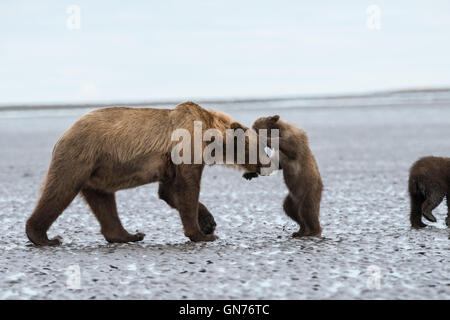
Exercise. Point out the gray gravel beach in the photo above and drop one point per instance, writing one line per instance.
(368, 250)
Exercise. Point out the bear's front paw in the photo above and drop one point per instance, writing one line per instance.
(39, 237)
(250, 175)
(139, 236)
(207, 223)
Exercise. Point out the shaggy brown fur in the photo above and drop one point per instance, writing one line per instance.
(429, 183)
(118, 148)
(301, 175)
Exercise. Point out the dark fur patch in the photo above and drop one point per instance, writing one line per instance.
(429, 183)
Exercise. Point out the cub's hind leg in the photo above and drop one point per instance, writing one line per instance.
(416, 211)
(433, 199)
(447, 220)
(103, 205)
(309, 212)
(291, 208)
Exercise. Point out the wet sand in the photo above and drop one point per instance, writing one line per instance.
(364, 154)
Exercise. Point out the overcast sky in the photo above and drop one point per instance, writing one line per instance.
(146, 50)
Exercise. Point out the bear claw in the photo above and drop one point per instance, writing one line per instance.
(127, 238)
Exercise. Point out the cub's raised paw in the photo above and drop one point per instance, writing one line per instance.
(250, 175)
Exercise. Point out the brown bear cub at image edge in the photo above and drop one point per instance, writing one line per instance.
(301, 174)
(118, 148)
(429, 183)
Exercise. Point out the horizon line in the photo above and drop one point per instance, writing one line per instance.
(156, 102)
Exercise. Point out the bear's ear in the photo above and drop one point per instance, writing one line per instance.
(237, 125)
(274, 118)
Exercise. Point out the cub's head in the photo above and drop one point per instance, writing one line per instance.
(266, 123)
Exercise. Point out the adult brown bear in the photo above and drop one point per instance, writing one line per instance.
(118, 148)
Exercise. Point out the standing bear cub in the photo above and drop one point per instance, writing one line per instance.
(429, 183)
(301, 174)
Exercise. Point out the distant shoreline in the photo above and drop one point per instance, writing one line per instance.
(443, 96)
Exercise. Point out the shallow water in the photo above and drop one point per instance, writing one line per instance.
(367, 251)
